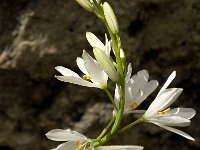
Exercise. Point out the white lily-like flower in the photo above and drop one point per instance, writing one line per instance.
(74, 140)
(137, 89)
(120, 147)
(96, 43)
(166, 118)
(77, 141)
(90, 68)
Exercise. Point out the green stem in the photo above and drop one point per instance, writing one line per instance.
(111, 98)
(131, 125)
(117, 122)
(116, 43)
(106, 128)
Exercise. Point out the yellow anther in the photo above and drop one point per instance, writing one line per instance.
(133, 105)
(164, 112)
(78, 145)
(87, 77)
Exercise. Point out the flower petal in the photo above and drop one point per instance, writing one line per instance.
(176, 131)
(138, 81)
(81, 65)
(169, 120)
(169, 80)
(117, 96)
(76, 80)
(65, 135)
(162, 101)
(65, 146)
(120, 147)
(94, 41)
(66, 72)
(183, 112)
(129, 72)
(99, 77)
(107, 46)
(144, 73)
(147, 90)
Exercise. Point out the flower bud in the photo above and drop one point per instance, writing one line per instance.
(94, 41)
(86, 4)
(106, 64)
(110, 18)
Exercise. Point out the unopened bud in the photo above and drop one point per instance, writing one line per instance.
(106, 64)
(86, 4)
(110, 18)
(94, 41)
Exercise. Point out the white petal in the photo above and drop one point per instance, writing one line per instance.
(150, 87)
(183, 112)
(129, 72)
(136, 98)
(177, 131)
(66, 72)
(162, 101)
(119, 147)
(80, 62)
(78, 81)
(169, 120)
(99, 77)
(144, 74)
(65, 135)
(169, 80)
(117, 96)
(147, 90)
(94, 41)
(139, 81)
(107, 46)
(66, 146)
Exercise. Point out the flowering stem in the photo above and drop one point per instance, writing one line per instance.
(111, 98)
(131, 125)
(106, 128)
(116, 44)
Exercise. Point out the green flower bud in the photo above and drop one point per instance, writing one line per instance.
(86, 4)
(106, 64)
(110, 18)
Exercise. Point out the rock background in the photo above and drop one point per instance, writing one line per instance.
(35, 36)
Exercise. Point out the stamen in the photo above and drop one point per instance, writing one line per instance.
(133, 105)
(78, 145)
(87, 77)
(164, 112)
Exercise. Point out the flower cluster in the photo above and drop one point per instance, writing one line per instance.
(130, 92)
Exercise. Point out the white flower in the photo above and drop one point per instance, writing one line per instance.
(165, 118)
(120, 147)
(75, 140)
(102, 55)
(137, 89)
(90, 68)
